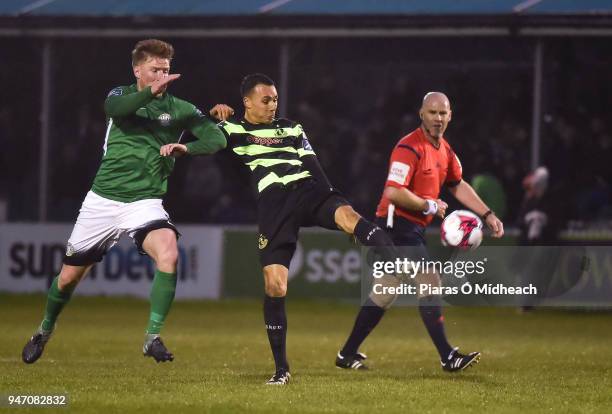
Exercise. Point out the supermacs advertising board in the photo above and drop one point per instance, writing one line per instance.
(31, 256)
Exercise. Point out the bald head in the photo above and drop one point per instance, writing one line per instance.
(435, 98)
(435, 114)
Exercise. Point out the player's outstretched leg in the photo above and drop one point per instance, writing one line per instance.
(58, 296)
(161, 246)
(275, 319)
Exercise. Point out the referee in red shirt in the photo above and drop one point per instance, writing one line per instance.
(421, 163)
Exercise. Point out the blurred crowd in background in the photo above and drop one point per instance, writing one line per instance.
(355, 98)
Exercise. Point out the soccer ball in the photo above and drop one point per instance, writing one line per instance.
(462, 229)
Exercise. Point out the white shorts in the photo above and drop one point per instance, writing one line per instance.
(101, 222)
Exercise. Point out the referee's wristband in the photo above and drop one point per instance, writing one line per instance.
(487, 214)
(432, 208)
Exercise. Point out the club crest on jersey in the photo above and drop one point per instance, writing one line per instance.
(164, 119)
(262, 242)
(279, 132)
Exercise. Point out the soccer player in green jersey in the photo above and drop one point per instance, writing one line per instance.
(292, 191)
(126, 194)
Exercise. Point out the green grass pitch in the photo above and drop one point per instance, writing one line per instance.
(546, 361)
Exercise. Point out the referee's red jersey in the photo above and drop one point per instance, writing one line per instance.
(420, 167)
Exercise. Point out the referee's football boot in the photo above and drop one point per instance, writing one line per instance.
(458, 362)
(35, 346)
(351, 362)
(155, 348)
(281, 377)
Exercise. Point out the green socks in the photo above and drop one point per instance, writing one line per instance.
(56, 299)
(162, 296)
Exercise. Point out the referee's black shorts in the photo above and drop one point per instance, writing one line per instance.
(281, 211)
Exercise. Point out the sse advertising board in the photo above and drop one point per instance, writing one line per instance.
(31, 256)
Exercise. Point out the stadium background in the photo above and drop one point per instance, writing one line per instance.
(530, 84)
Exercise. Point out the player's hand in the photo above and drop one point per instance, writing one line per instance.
(221, 112)
(495, 225)
(442, 206)
(159, 86)
(173, 150)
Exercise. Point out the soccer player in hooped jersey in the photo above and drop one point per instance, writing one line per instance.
(126, 196)
(421, 163)
(292, 191)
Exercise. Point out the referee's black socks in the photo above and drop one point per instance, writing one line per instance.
(276, 326)
(368, 317)
(430, 308)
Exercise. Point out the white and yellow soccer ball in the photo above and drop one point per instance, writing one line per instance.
(462, 229)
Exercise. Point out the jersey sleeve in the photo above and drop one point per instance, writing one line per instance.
(302, 144)
(402, 165)
(210, 138)
(309, 159)
(455, 171)
(121, 102)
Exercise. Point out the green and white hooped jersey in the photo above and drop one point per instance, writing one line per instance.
(273, 152)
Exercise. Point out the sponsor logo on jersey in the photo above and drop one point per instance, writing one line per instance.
(398, 172)
(264, 140)
(263, 242)
(164, 119)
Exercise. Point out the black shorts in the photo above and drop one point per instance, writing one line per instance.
(281, 211)
(408, 236)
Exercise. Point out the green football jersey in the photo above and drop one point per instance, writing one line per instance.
(138, 125)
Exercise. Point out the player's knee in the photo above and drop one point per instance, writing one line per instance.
(275, 281)
(346, 218)
(276, 289)
(383, 294)
(167, 257)
(384, 301)
(70, 276)
(427, 283)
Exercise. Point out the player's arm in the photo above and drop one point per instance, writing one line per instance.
(466, 195)
(403, 163)
(310, 161)
(118, 103)
(209, 138)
